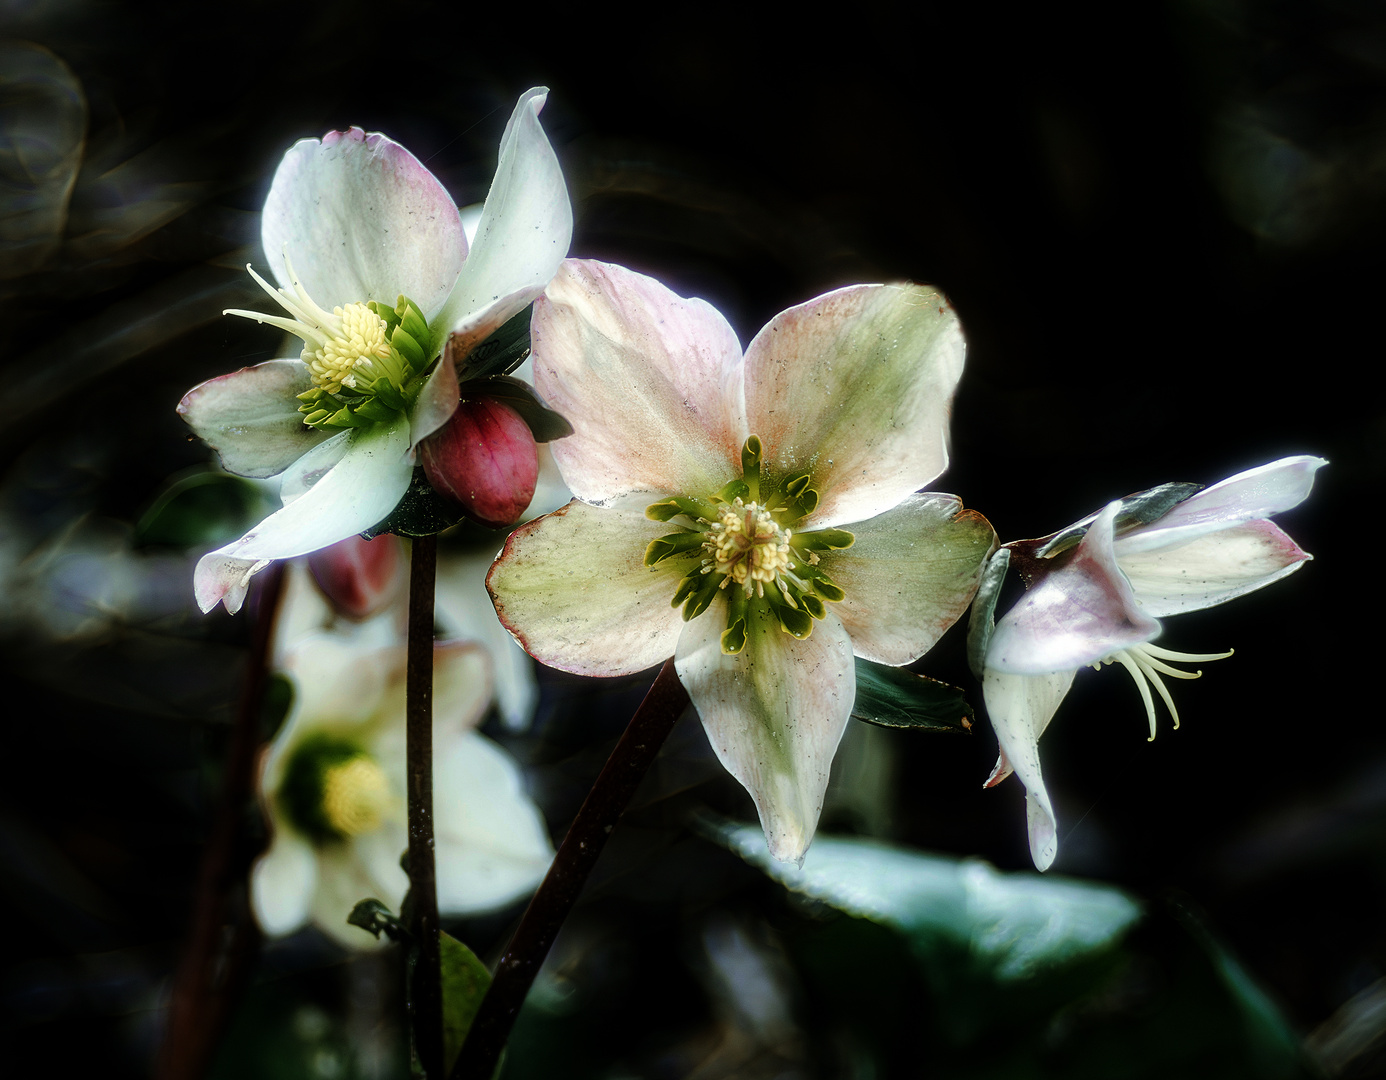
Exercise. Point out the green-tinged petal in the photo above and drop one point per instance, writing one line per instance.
(436, 403)
(361, 489)
(493, 846)
(856, 386)
(523, 234)
(909, 576)
(282, 884)
(774, 713)
(251, 418)
(1212, 568)
(574, 590)
(404, 232)
(1020, 708)
(651, 383)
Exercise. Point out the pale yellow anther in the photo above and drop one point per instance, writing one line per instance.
(749, 546)
(357, 338)
(355, 796)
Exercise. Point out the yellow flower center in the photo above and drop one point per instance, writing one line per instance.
(747, 544)
(355, 796)
(357, 337)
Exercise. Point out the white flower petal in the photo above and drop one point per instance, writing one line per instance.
(1212, 568)
(857, 385)
(493, 845)
(1020, 707)
(774, 713)
(523, 234)
(354, 870)
(1257, 493)
(910, 574)
(282, 884)
(1076, 615)
(464, 610)
(357, 493)
(573, 589)
(436, 403)
(251, 418)
(363, 220)
(651, 383)
(313, 466)
(461, 686)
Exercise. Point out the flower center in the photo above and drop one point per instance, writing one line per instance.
(355, 796)
(364, 359)
(333, 789)
(746, 550)
(1146, 663)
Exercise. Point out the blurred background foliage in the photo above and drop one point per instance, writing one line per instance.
(1162, 225)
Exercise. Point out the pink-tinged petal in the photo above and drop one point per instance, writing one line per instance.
(436, 403)
(573, 589)
(909, 576)
(1078, 614)
(485, 460)
(523, 234)
(856, 386)
(362, 220)
(358, 492)
(774, 713)
(1020, 707)
(651, 383)
(493, 846)
(282, 884)
(360, 577)
(251, 418)
(1257, 493)
(1211, 569)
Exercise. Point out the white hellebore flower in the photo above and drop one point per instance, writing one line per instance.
(375, 276)
(1097, 589)
(770, 495)
(333, 785)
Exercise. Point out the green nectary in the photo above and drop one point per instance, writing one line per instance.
(740, 540)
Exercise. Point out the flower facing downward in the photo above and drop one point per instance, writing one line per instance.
(333, 784)
(1097, 589)
(375, 277)
(755, 515)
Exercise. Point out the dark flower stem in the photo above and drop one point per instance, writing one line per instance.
(427, 995)
(624, 770)
(223, 937)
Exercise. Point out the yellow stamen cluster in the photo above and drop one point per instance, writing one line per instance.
(355, 796)
(748, 546)
(357, 338)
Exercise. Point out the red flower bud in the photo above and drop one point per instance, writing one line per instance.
(485, 460)
(359, 577)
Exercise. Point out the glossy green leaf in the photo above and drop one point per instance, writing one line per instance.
(899, 698)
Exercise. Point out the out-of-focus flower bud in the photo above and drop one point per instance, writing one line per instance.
(484, 459)
(359, 577)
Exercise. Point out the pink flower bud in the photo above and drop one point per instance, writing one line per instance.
(485, 460)
(359, 577)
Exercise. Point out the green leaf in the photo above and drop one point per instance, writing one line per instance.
(499, 354)
(204, 509)
(374, 917)
(544, 423)
(899, 698)
(465, 981)
(422, 512)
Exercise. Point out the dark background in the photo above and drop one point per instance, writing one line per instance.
(1162, 227)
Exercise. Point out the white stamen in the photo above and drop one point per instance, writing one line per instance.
(1143, 662)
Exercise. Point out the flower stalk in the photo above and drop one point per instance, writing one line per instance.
(426, 995)
(524, 955)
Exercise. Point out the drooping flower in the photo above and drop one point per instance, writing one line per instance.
(333, 787)
(1097, 589)
(770, 495)
(376, 278)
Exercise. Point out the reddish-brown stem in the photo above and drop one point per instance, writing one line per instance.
(214, 964)
(426, 997)
(576, 857)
